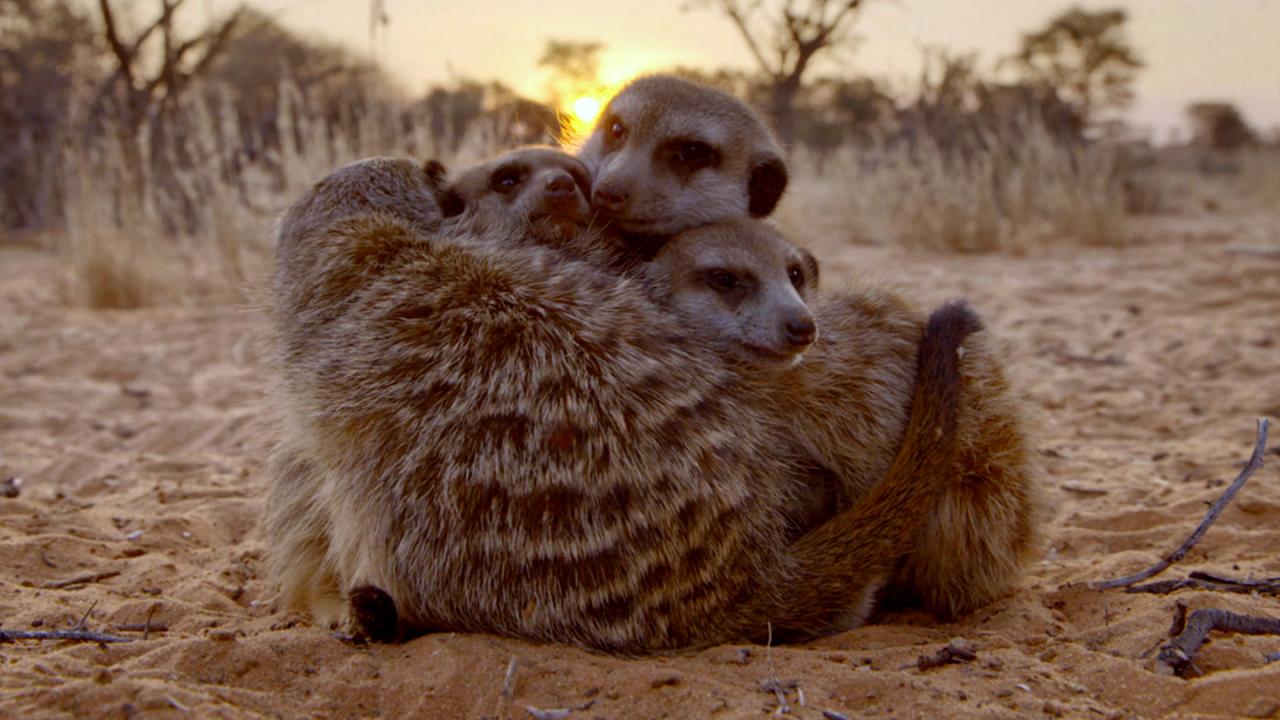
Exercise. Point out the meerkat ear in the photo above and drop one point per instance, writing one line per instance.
(450, 202)
(435, 172)
(810, 267)
(768, 180)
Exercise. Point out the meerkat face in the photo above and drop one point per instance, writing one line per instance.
(541, 189)
(743, 285)
(669, 155)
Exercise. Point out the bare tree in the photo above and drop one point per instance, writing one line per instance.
(178, 60)
(47, 56)
(139, 103)
(784, 38)
(574, 68)
(1085, 57)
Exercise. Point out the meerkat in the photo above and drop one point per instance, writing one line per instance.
(843, 386)
(669, 154)
(499, 439)
(538, 192)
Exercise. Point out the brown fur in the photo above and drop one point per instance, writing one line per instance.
(504, 440)
(845, 400)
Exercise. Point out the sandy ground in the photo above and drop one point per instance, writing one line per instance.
(140, 437)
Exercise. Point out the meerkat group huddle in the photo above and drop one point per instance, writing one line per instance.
(501, 414)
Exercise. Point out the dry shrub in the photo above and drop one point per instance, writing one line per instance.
(1260, 177)
(167, 215)
(1015, 192)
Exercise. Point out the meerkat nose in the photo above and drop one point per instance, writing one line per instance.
(561, 185)
(609, 196)
(800, 332)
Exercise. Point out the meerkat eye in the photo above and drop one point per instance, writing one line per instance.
(796, 275)
(722, 280)
(617, 130)
(507, 179)
(695, 155)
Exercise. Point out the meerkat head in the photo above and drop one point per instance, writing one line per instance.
(668, 154)
(743, 286)
(540, 189)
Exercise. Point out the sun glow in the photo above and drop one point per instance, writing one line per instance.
(586, 109)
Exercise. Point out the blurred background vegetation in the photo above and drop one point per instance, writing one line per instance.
(156, 156)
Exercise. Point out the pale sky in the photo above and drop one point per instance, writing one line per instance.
(1194, 49)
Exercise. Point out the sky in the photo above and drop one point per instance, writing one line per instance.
(1194, 49)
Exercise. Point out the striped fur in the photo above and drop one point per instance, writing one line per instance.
(505, 439)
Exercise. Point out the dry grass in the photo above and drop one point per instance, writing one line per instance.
(150, 232)
(1020, 194)
(1014, 196)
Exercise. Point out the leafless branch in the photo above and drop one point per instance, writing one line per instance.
(1176, 657)
(1255, 462)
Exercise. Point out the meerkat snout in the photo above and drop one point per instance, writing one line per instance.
(610, 196)
(801, 331)
(561, 186)
(743, 286)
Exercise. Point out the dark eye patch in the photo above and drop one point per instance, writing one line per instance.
(722, 280)
(690, 156)
(507, 178)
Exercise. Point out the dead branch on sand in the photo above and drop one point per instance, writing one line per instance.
(1177, 655)
(79, 580)
(1255, 462)
(76, 635)
(952, 653)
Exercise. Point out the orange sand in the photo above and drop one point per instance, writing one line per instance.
(140, 438)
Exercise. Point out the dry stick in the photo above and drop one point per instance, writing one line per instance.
(1164, 587)
(79, 580)
(1255, 462)
(1176, 656)
(1260, 583)
(77, 635)
(773, 684)
(80, 624)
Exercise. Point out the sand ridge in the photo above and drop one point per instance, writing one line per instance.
(140, 439)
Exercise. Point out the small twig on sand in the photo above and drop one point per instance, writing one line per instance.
(952, 653)
(1179, 619)
(507, 692)
(1175, 658)
(144, 627)
(1175, 629)
(1262, 584)
(1255, 462)
(1164, 587)
(76, 635)
(83, 618)
(772, 683)
(509, 680)
(557, 713)
(79, 580)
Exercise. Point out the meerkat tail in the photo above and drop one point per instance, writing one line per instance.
(844, 562)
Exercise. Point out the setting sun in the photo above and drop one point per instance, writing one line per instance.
(585, 109)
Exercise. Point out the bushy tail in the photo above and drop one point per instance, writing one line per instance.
(842, 563)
